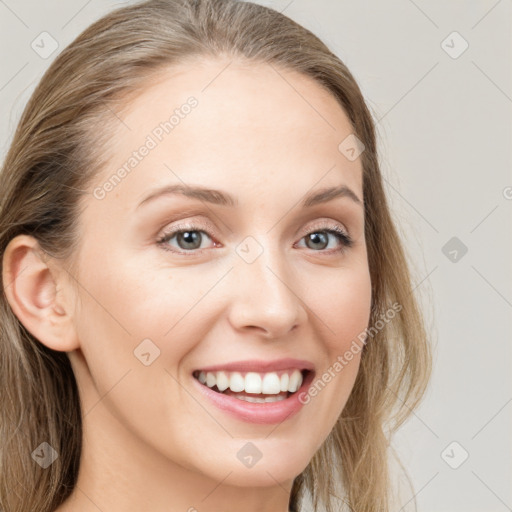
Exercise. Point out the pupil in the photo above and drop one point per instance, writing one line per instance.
(190, 237)
(314, 237)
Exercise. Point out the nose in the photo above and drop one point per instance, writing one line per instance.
(266, 297)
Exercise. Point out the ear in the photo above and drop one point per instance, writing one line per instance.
(39, 293)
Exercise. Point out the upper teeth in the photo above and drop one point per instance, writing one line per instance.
(267, 383)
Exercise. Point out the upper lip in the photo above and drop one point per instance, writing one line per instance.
(258, 365)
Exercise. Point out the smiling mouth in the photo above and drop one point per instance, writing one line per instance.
(255, 387)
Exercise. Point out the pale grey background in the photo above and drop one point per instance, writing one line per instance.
(445, 141)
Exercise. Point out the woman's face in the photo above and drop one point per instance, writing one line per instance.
(255, 283)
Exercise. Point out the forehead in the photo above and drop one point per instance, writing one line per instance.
(250, 124)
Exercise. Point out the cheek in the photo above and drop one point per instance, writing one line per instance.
(135, 331)
(342, 311)
(134, 313)
(350, 317)
(343, 306)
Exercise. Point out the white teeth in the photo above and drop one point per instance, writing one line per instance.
(258, 400)
(255, 383)
(285, 378)
(252, 399)
(271, 384)
(295, 381)
(236, 382)
(210, 380)
(274, 398)
(252, 383)
(222, 381)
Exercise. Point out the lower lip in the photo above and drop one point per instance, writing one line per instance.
(263, 413)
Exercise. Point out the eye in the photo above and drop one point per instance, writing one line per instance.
(189, 239)
(319, 239)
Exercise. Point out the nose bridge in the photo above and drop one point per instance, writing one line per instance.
(266, 297)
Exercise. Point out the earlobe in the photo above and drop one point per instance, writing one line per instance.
(35, 294)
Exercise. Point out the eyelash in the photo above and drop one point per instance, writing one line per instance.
(340, 234)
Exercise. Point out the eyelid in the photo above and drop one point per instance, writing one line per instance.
(325, 223)
(340, 232)
(192, 225)
(166, 233)
(209, 227)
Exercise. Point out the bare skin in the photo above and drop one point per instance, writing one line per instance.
(151, 441)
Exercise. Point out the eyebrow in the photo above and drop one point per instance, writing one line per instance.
(221, 198)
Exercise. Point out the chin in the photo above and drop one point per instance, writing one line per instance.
(273, 465)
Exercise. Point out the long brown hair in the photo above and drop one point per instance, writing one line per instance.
(55, 153)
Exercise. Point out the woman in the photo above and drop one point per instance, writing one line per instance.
(206, 303)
